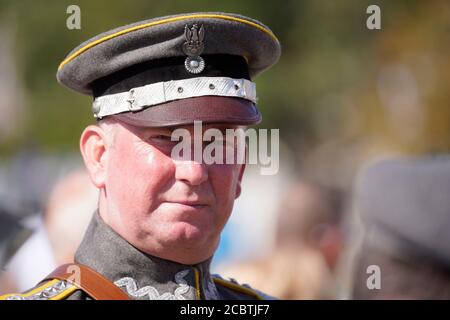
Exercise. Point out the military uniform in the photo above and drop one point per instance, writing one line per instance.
(157, 73)
(140, 276)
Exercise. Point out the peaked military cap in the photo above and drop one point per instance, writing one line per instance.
(174, 70)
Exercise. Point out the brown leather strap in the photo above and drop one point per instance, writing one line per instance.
(88, 280)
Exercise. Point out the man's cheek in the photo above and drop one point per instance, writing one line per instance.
(225, 179)
(151, 170)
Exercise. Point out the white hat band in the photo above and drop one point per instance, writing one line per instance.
(139, 98)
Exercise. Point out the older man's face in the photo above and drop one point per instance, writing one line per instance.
(169, 208)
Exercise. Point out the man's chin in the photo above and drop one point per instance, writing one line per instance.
(180, 241)
(188, 233)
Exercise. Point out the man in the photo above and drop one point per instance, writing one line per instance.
(160, 217)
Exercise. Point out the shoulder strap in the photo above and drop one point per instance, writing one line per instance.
(88, 280)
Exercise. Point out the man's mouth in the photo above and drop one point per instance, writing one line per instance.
(193, 204)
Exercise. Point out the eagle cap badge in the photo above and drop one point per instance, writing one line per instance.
(193, 47)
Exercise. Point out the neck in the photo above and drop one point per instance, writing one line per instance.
(131, 269)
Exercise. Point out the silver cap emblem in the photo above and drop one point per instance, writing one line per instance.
(193, 47)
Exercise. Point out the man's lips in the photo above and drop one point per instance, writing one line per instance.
(194, 204)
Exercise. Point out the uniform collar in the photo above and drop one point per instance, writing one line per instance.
(140, 275)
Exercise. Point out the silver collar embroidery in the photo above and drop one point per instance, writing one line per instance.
(153, 294)
(211, 291)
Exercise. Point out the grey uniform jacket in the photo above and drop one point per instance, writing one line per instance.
(139, 275)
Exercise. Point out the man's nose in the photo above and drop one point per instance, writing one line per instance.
(191, 172)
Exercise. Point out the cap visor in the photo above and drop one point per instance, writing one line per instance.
(208, 109)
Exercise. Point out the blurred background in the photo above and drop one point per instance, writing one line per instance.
(343, 97)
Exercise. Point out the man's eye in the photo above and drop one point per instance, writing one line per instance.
(160, 139)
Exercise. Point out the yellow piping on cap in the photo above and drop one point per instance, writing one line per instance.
(163, 21)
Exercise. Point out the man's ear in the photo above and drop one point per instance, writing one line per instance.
(93, 146)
